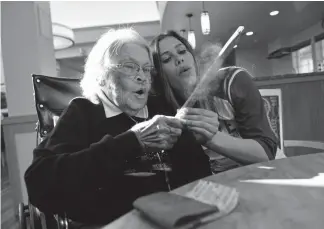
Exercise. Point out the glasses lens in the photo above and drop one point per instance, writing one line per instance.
(130, 68)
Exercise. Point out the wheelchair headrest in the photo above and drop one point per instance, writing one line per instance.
(52, 96)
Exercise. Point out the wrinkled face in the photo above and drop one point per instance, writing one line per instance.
(126, 87)
(178, 66)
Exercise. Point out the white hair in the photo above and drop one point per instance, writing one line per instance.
(97, 64)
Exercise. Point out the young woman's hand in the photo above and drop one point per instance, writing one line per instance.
(203, 123)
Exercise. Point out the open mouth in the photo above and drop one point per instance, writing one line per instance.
(140, 92)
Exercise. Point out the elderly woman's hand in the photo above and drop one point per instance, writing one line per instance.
(159, 133)
(203, 123)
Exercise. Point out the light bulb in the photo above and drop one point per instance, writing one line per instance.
(192, 38)
(274, 13)
(205, 23)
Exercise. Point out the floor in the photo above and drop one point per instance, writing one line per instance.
(9, 219)
(8, 210)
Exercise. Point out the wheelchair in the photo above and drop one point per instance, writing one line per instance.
(52, 95)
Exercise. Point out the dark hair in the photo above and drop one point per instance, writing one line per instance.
(161, 84)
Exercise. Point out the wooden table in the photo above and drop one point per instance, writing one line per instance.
(285, 193)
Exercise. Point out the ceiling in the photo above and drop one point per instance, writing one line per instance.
(90, 19)
(93, 18)
(84, 14)
(226, 16)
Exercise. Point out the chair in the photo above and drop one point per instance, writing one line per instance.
(52, 96)
(308, 144)
(273, 103)
(297, 147)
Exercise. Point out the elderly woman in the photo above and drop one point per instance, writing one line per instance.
(233, 128)
(110, 148)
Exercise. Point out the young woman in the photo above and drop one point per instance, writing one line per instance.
(233, 127)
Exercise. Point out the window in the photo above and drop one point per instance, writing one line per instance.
(303, 60)
(319, 47)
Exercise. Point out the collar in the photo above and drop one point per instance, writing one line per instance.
(112, 110)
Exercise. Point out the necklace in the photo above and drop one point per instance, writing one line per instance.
(134, 120)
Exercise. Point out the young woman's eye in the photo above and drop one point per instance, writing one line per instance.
(166, 59)
(182, 51)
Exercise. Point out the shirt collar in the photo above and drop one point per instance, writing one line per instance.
(112, 110)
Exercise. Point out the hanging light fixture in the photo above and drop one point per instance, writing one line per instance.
(63, 36)
(191, 33)
(205, 22)
(183, 31)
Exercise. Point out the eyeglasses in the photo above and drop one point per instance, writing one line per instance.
(132, 69)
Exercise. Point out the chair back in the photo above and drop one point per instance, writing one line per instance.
(272, 100)
(52, 95)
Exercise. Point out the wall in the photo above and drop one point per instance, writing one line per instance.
(20, 140)
(27, 48)
(25, 142)
(302, 114)
(1, 63)
(284, 65)
(69, 71)
(296, 38)
(3, 88)
(255, 61)
(161, 7)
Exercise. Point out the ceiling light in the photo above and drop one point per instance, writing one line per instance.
(191, 33)
(249, 33)
(63, 36)
(192, 38)
(274, 13)
(205, 22)
(235, 46)
(182, 31)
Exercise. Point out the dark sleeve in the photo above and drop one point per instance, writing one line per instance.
(189, 161)
(66, 163)
(250, 113)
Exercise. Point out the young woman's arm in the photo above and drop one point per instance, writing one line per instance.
(258, 141)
